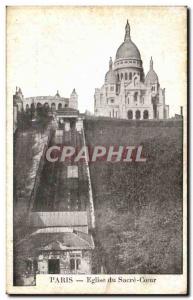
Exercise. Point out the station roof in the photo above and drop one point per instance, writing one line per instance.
(58, 219)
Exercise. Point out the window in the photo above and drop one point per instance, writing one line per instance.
(78, 263)
(112, 100)
(142, 100)
(60, 106)
(125, 76)
(138, 115)
(72, 264)
(53, 106)
(72, 172)
(112, 88)
(135, 97)
(121, 76)
(130, 76)
(128, 100)
(130, 114)
(46, 105)
(118, 77)
(146, 114)
(75, 261)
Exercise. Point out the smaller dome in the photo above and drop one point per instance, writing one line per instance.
(110, 77)
(151, 77)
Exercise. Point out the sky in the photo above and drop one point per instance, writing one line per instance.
(61, 48)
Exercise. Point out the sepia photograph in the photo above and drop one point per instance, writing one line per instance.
(96, 149)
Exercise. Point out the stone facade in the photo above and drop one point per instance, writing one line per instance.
(53, 251)
(52, 102)
(127, 93)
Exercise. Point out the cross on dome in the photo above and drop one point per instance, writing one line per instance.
(127, 31)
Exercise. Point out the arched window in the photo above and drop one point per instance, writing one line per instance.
(60, 106)
(46, 105)
(53, 106)
(130, 114)
(135, 80)
(72, 264)
(39, 108)
(78, 263)
(32, 106)
(130, 76)
(146, 114)
(39, 105)
(126, 76)
(135, 97)
(137, 115)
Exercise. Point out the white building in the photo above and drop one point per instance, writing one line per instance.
(51, 102)
(126, 92)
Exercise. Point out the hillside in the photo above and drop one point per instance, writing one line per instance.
(138, 206)
(28, 149)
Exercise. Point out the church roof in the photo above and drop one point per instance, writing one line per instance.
(128, 49)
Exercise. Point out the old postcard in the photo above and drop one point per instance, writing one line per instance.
(96, 150)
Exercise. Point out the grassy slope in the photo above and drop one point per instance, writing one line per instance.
(28, 148)
(138, 205)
